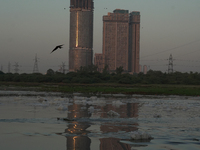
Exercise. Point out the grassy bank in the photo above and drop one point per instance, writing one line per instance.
(137, 89)
(186, 90)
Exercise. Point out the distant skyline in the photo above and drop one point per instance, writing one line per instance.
(30, 27)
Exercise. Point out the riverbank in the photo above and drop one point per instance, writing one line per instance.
(153, 89)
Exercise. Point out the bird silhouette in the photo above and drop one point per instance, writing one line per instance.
(59, 46)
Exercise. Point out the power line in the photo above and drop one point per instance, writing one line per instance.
(187, 60)
(189, 53)
(171, 49)
(187, 66)
(155, 60)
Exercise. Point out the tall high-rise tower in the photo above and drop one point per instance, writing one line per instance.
(121, 41)
(116, 39)
(81, 34)
(134, 42)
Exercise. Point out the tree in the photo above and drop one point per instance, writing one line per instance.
(119, 70)
(50, 72)
(105, 70)
(92, 68)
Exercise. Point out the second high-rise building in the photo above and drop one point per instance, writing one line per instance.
(134, 42)
(116, 39)
(121, 41)
(81, 34)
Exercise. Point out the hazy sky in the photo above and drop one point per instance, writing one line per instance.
(30, 27)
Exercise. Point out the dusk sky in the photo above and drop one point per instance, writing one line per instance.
(30, 27)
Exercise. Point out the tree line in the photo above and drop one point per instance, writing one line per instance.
(89, 75)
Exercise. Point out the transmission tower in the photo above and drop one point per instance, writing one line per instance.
(170, 65)
(16, 67)
(35, 67)
(62, 67)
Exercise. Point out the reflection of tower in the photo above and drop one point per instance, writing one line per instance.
(114, 144)
(35, 68)
(130, 110)
(81, 34)
(170, 65)
(80, 141)
(75, 111)
(126, 111)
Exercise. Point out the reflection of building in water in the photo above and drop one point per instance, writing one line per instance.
(130, 110)
(75, 111)
(113, 144)
(77, 128)
(80, 141)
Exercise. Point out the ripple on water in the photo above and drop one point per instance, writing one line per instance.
(172, 121)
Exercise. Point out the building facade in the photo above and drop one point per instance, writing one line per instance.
(134, 42)
(121, 40)
(81, 34)
(145, 69)
(115, 39)
(98, 61)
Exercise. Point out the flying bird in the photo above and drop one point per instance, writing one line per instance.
(59, 46)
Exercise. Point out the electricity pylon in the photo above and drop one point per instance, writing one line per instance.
(62, 67)
(35, 67)
(170, 65)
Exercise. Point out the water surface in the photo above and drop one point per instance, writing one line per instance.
(29, 120)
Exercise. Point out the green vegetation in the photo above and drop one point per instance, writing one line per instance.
(89, 80)
(90, 75)
(138, 89)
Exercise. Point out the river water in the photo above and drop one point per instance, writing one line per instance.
(49, 121)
